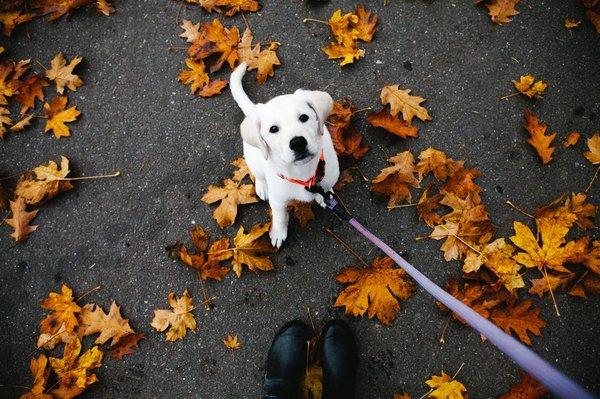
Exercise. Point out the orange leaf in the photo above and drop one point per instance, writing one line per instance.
(64, 311)
(126, 345)
(231, 194)
(395, 181)
(538, 138)
(572, 139)
(57, 116)
(393, 124)
(527, 388)
(20, 220)
(501, 10)
(521, 320)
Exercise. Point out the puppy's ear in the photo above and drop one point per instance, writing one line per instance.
(320, 102)
(250, 129)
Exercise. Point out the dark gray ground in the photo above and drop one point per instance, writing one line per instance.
(169, 146)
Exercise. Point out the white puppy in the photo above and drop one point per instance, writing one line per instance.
(287, 148)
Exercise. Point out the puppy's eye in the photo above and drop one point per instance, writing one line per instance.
(274, 129)
(303, 118)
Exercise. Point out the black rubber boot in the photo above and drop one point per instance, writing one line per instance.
(339, 358)
(286, 361)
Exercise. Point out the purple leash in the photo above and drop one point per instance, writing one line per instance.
(556, 382)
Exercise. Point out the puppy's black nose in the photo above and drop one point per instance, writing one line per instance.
(298, 144)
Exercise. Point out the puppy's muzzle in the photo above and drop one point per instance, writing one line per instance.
(299, 146)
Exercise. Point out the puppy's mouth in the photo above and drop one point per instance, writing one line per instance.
(303, 157)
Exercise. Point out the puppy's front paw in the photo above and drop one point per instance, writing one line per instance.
(278, 235)
(260, 186)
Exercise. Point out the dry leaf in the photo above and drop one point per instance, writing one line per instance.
(217, 41)
(191, 32)
(572, 23)
(585, 212)
(73, 369)
(213, 88)
(64, 311)
(502, 10)
(57, 117)
(593, 155)
(126, 345)
(344, 179)
(262, 60)
(393, 124)
(375, 290)
(40, 371)
(445, 387)
(537, 138)
(20, 220)
(252, 249)
(242, 170)
(92, 320)
(311, 386)
(232, 342)
(195, 76)
(527, 388)
(520, 319)
(231, 194)
(62, 73)
(594, 18)
(401, 101)
(22, 124)
(302, 211)
(394, 181)
(30, 90)
(4, 121)
(104, 7)
(432, 160)
(47, 183)
(528, 86)
(229, 7)
(572, 139)
(180, 318)
(427, 207)
(49, 341)
(11, 19)
(347, 141)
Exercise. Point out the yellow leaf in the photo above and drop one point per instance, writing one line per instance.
(444, 387)
(64, 311)
(180, 318)
(73, 369)
(528, 86)
(252, 249)
(401, 101)
(231, 194)
(196, 76)
(349, 53)
(40, 371)
(501, 10)
(92, 320)
(57, 117)
(374, 291)
(593, 155)
(232, 342)
(47, 184)
(572, 23)
(394, 181)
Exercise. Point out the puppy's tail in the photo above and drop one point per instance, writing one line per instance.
(237, 90)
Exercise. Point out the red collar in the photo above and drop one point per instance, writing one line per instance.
(314, 179)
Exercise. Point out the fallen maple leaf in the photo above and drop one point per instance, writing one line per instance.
(4, 121)
(59, 8)
(401, 101)
(126, 345)
(62, 73)
(229, 7)
(40, 371)
(199, 238)
(572, 139)
(30, 90)
(537, 138)
(195, 76)
(528, 86)
(347, 141)
(213, 88)
(520, 319)
(72, 369)
(218, 41)
(527, 388)
(349, 53)
(191, 32)
(375, 290)
(594, 18)
(6, 87)
(366, 24)
(445, 387)
(344, 179)
(231, 194)
(49, 341)
(242, 170)
(232, 342)
(302, 211)
(539, 286)
(252, 249)
(500, 11)
(433, 160)
(57, 116)
(262, 60)
(11, 19)
(92, 320)
(47, 184)
(395, 181)
(393, 124)
(585, 212)
(20, 220)
(64, 311)
(593, 155)
(104, 7)
(427, 207)
(180, 319)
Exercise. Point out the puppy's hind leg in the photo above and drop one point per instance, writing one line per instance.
(279, 225)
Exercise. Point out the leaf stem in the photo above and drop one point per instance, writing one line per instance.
(90, 177)
(402, 206)
(551, 292)
(305, 20)
(510, 95)
(529, 215)
(346, 246)
(88, 292)
(593, 179)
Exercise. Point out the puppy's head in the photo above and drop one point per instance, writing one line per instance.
(289, 128)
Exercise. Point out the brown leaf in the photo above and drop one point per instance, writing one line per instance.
(401, 101)
(593, 143)
(262, 60)
(594, 18)
(62, 73)
(22, 124)
(92, 320)
(126, 345)
(538, 138)
(344, 179)
(347, 141)
(200, 238)
(501, 10)
(57, 116)
(30, 90)
(427, 207)
(521, 320)
(393, 124)
(180, 317)
(374, 291)
(572, 139)
(213, 88)
(20, 220)
(395, 181)
(47, 183)
(302, 211)
(527, 388)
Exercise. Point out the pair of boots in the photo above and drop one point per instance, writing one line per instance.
(286, 361)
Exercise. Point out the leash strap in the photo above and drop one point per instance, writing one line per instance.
(556, 382)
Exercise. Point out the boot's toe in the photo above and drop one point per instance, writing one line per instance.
(339, 359)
